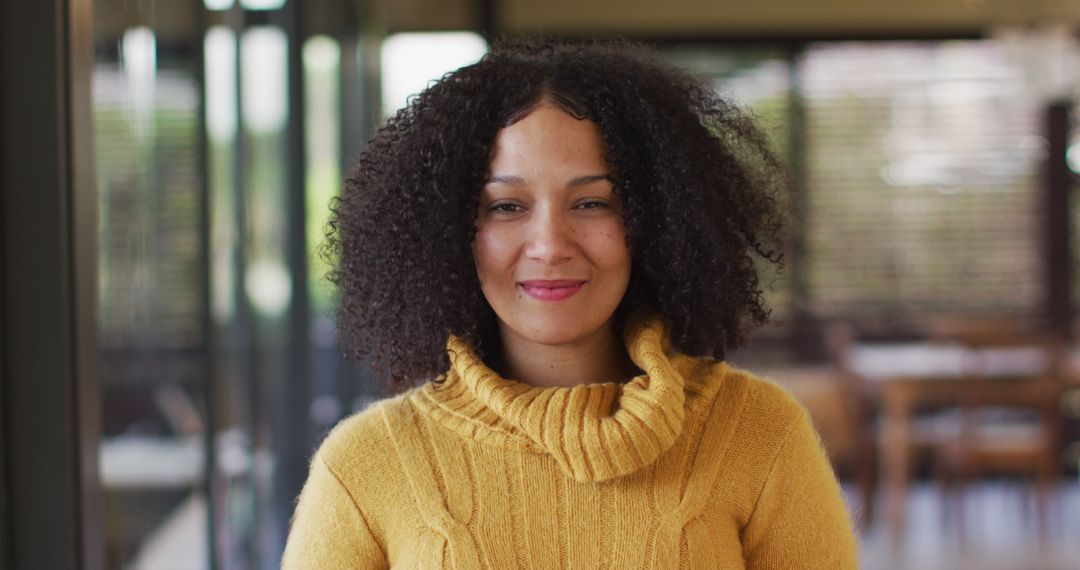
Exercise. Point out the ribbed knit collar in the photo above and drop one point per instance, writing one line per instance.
(596, 432)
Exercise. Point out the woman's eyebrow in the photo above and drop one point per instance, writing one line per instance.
(506, 180)
(586, 180)
(511, 180)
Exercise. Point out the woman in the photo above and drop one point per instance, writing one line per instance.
(552, 249)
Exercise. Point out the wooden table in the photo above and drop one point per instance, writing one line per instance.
(905, 378)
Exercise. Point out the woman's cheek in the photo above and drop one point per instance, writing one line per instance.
(610, 242)
(490, 250)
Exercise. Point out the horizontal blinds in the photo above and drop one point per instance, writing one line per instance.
(922, 180)
(148, 183)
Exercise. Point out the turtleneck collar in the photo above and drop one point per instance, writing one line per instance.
(595, 432)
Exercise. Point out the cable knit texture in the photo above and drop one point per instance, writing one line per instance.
(693, 464)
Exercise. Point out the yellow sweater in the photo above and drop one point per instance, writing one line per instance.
(692, 465)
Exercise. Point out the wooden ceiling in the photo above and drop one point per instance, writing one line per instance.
(643, 18)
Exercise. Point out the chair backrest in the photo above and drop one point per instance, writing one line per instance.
(1001, 345)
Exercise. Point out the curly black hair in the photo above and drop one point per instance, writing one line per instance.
(697, 182)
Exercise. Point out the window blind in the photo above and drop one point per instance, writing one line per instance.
(922, 180)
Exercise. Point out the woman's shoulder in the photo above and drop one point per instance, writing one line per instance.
(757, 423)
(361, 442)
(747, 397)
(763, 397)
(755, 414)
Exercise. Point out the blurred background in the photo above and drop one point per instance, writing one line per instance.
(167, 323)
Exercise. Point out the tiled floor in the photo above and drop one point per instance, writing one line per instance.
(180, 543)
(1001, 532)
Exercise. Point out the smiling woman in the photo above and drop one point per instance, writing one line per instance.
(551, 250)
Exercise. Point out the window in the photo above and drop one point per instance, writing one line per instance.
(922, 180)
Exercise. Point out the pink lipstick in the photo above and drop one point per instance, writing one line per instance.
(551, 290)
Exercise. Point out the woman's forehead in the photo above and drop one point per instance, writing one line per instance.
(550, 139)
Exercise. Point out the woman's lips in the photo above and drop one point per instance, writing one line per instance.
(551, 290)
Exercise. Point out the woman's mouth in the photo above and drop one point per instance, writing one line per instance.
(551, 290)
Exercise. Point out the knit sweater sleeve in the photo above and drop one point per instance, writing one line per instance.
(328, 529)
(799, 519)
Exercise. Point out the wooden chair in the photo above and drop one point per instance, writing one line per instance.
(1008, 426)
(927, 432)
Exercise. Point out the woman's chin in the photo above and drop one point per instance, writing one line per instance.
(557, 331)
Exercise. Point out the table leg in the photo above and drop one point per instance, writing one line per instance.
(896, 457)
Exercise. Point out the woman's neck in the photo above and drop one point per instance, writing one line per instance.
(600, 357)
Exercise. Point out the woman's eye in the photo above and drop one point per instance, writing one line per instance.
(591, 205)
(506, 208)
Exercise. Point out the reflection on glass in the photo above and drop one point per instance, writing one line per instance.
(264, 108)
(265, 84)
(262, 4)
(221, 120)
(267, 281)
(1073, 157)
(220, 46)
(322, 139)
(322, 142)
(412, 60)
(155, 353)
(234, 505)
(267, 285)
(140, 66)
(218, 5)
(145, 111)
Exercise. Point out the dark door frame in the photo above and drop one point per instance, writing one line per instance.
(51, 513)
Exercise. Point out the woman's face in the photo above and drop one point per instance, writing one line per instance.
(550, 246)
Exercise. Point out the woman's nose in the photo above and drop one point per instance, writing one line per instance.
(551, 237)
